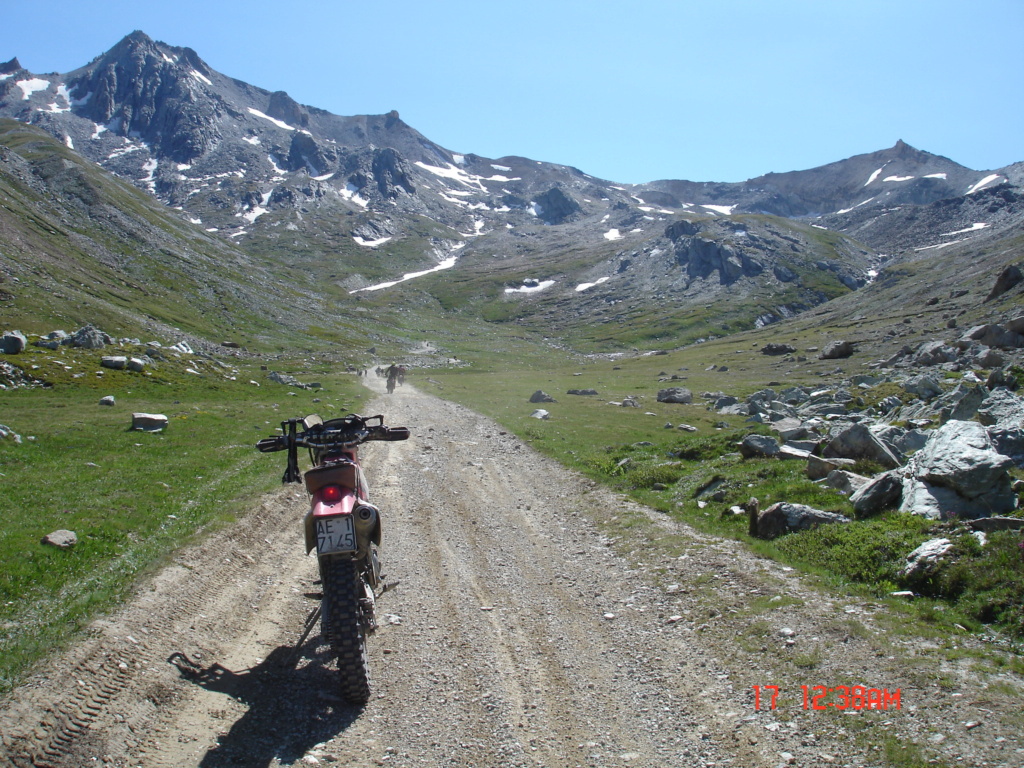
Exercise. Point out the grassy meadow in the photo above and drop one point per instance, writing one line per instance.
(131, 497)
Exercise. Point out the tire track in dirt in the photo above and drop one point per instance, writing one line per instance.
(518, 636)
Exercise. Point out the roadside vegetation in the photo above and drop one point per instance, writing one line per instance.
(131, 497)
(698, 477)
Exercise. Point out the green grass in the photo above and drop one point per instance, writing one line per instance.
(130, 497)
(699, 477)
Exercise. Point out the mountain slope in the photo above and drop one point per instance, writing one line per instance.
(336, 209)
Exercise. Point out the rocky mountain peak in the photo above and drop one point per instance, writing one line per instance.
(10, 67)
(284, 107)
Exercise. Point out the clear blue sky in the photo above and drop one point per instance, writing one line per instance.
(630, 91)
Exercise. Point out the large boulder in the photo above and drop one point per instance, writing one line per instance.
(540, 396)
(784, 517)
(883, 492)
(149, 422)
(1001, 408)
(991, 335)
(958, 473)
(836, 350)
(754, 446)
(857, 442)
(13, 343)
(923, 386)
(88, 337)
(925, 559)
(675, 395)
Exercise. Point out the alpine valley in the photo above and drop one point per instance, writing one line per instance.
(147, 193)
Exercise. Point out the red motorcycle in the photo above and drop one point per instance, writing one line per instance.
(344, 528)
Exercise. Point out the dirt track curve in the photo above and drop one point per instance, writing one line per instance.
(517, 636)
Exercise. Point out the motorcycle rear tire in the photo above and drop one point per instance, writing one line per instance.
(343, 626)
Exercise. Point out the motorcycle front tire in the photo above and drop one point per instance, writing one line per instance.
(343, 626)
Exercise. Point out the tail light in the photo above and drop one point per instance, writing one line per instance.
(331, 494)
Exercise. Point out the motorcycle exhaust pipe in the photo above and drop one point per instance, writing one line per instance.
(366, 515)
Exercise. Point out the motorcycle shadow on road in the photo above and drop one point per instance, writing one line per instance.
(289, 709)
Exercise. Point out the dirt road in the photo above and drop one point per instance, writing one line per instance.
(518, 636)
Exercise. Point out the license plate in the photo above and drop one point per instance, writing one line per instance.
(335, 534)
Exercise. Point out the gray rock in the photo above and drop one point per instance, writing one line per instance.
(923, 386)
(836, 350)
(784, 517)
(13, 343)
(1009, 441)
(924, 559)
(773, 348)
(6, 433)
(136, 365)
(819, 467)
(675, 395)
(989, 524)
(934, 353)
(1002, 409)
(582, 392)
(149, 422)
(857, 442)
(958, 473)
(108, 400)
(753, 446)
(991, 335)
(88, 337)
(62, 539)
(541, 396)
(117, 362)
(882, 492)
(845, 482)
(540, 413)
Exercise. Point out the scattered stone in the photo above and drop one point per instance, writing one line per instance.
(149, 422)
(88, 337)
(845, 482)
(926, 557)
(1008, 278)
(13, 343)
(108, 400)
(881, 493)
(582, 392)
(753, 446)
(857, 442)
(540, 413)
(541, 396)
(775, 349)
(116, 362)
(836, 350)
(62, 539)
(819, 467)
(784, 517)
(958, 473)
(679, 395)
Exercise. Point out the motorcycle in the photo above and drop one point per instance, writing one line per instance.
(345, 530)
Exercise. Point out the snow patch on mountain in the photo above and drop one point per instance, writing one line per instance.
(274, 120)
(446, 264)
(585, 286)
(992, 177)
(370, 243)
(531, 285)
(28, 87)
(973, 228)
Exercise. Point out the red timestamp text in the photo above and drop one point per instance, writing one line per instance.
(841, 697)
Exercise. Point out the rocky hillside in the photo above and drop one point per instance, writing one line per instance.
(338, 207)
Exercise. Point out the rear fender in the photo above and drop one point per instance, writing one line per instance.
(321, 508)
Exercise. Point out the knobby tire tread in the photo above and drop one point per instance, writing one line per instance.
(343, 627)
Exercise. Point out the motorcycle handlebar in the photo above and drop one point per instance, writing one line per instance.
(352, 430)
